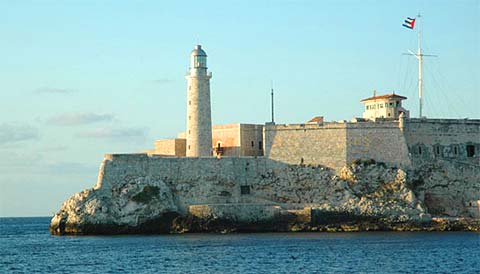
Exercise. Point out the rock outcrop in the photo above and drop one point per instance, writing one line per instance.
(142, 195)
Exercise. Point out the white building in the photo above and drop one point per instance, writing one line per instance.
(384, 106)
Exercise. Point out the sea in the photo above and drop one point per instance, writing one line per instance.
(27, 247)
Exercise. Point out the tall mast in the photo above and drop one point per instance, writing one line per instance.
(419, 55)
(271, 89)
(420, 67)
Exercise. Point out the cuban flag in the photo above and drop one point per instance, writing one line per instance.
(409, 23)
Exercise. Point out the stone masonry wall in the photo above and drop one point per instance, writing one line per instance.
(172, 147)
(382, 141)
(229, 137)
(221, 178)
(199, 118)
(336, 144)
(444, 139)
(251, 137)
(317, 144)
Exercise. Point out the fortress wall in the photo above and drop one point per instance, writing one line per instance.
(173, 147)
(316, 144)
(248, 134)
(382, 141)
(451, 136)
(236, 212)
(221, 178)
(229, 137)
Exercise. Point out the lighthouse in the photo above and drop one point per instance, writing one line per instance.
(199, 117)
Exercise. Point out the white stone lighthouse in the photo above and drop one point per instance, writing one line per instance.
(199, 117)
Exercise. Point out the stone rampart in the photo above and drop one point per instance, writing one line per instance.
(456, 140)
(382, 141)
(221, 177)
(336, 144)
(316, 144)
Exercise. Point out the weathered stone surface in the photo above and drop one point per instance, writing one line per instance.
(140, 194)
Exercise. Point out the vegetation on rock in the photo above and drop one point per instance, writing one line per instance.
(146, 195)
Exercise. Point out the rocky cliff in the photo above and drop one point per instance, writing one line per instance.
(140, 194)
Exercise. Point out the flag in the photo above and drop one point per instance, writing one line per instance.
(409, 23)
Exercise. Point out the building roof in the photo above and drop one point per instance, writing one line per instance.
(316, 119)
(385, 96)
(198, 51)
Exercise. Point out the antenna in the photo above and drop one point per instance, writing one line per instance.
(419, 55)
(273, 109)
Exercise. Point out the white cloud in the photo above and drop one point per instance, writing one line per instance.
(13, 159)
(72, 119)
(12, 133)
(119, 134)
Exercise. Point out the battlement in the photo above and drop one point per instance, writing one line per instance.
(445, 121)
(342, 124)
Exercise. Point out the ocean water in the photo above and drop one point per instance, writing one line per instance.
(27, 247)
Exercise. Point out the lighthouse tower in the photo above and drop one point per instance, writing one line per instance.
(199, 117)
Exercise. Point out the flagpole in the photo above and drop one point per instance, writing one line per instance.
(271, 89)
(420, 67)
(410, 23)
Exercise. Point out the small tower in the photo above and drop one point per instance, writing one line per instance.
(199, 117)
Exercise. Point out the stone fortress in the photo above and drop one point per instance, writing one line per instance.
(385, 133)
(267, 173)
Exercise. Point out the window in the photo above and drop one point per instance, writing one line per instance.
(398, 103)
(381, 105)
(244, 190)
(188, 147)
(419, 150)
(470, 150)
(260, 145)
(391, 104)
(189, 102)
(253, 143)
(455, 150)
(200, 61)
(388, 114)
(189, 87)
(437, 150)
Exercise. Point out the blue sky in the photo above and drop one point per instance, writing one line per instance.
(79, 79)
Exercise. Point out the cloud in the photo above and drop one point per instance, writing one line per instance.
(28, 163)
(14, 159)
(50, 90)
(120, 134)
(10, 133)
(74, 119)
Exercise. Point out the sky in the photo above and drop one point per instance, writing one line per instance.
(79, 79)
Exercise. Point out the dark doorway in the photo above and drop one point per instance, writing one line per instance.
(470, 150)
